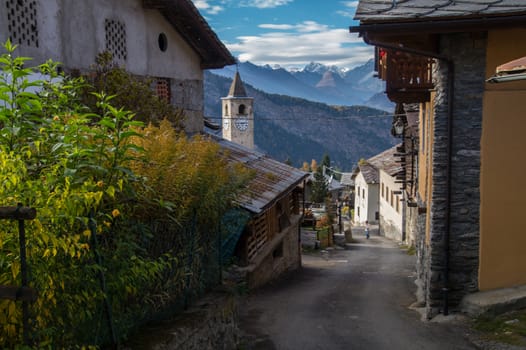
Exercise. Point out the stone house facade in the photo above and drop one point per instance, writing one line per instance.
(165, 40)
(438, 55)
(269, 244)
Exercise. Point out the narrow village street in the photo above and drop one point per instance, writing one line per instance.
(355, 298)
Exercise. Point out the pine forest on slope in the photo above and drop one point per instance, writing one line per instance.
(300, 130)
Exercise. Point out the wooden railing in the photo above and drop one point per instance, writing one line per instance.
(405, 73)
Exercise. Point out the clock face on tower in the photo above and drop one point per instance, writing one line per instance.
(226, 123)
(241, 123)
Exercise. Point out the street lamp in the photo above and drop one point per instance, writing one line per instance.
(399, 128)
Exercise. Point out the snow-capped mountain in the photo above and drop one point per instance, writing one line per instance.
(316, 82)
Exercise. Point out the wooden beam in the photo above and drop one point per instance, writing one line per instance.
(18, 213)
(18, 293)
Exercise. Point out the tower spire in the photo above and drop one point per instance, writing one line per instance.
(237, 89)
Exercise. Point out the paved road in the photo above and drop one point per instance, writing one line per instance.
(346, 299)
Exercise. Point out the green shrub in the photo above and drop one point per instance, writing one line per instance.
(93, 177)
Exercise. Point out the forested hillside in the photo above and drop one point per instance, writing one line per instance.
(300, 130)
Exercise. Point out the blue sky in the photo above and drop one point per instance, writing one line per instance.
(288, 33)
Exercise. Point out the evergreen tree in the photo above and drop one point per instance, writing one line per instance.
(320, 188)
(326, 160)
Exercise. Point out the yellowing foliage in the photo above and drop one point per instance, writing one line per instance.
(189, 174)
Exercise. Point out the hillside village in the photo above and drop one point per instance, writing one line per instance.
(123, 230)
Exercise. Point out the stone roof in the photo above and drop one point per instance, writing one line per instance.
(386, 161)
(347, 179)
(418, 10)
(272, 179)
(237, 89)
(370, 173)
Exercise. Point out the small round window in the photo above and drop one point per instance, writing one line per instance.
(163, 42)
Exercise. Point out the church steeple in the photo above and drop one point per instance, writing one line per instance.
(238, 114)
(237, 89)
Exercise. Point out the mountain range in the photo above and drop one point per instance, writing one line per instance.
(299, 130)
(316, 82)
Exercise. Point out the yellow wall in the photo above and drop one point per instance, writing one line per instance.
(503, 170)
(425, 157)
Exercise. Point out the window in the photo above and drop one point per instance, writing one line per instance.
(162, 88)
(363, 192)
(116, 39)
(382, 189)
(162, 40)
(391, 201)
(397, 204)
(242, 109)
(22, 22)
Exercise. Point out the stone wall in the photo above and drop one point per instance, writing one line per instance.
(280, 255)
(209, 325)
(468, 54)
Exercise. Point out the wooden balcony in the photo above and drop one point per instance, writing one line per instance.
(408, 77)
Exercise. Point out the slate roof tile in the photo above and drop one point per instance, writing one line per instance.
(403, 10)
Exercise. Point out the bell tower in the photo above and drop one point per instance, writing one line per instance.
(238, 115)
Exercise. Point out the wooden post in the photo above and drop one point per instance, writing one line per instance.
(23, 293)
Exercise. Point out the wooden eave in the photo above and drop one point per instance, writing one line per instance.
(188, 22)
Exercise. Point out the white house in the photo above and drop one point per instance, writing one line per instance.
(366, 194)
(390, 194)
(166, 40)
(378, 198)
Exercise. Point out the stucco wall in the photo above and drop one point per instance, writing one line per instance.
(73, 32)
(366, 202)
(390, 218)
(503, 196)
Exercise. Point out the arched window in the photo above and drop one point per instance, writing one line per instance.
(226, 109)
(242, 109)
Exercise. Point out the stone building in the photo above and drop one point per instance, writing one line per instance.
(378, 193)
(268, 243)
(238, 115)
(166, 40)
(463, 184)
(366, 182)
(390, 204)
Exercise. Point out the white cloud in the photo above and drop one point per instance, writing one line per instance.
(293, 46)
(352, 4)
(205, 6)
(350, 9)
(263, 4)
(276, 26)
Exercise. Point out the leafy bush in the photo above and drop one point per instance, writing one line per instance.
(106, 191)
(131, 92)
